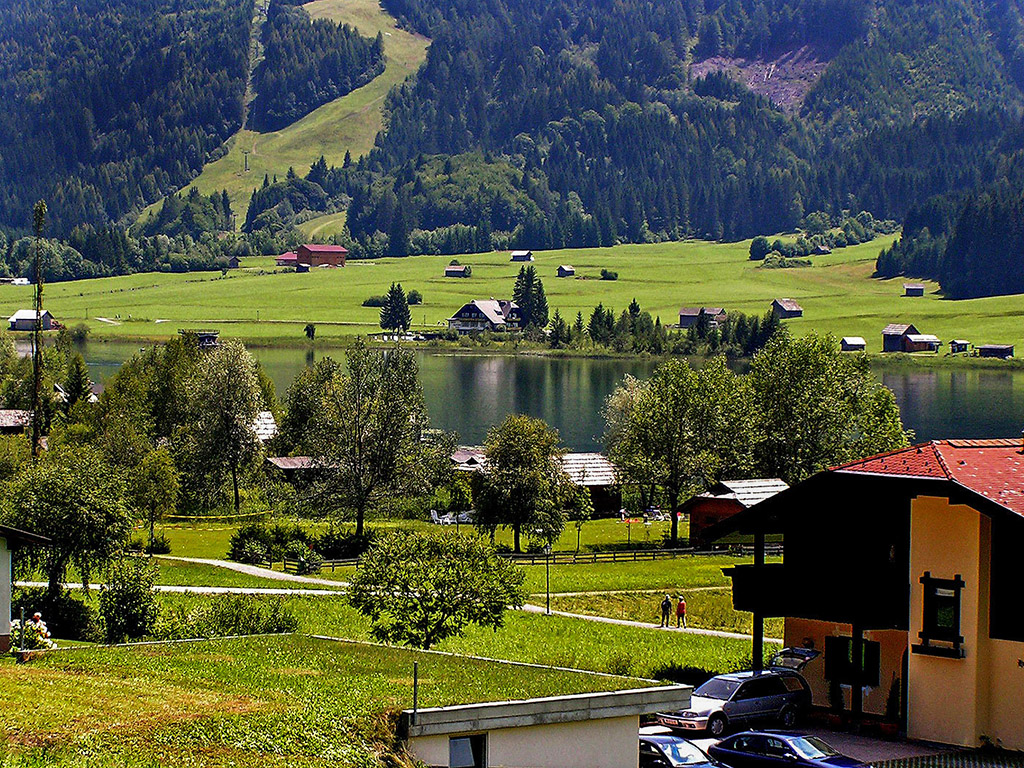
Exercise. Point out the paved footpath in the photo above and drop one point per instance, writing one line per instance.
(677, 590)
(528, 608)
(194, 590)
(255, 570)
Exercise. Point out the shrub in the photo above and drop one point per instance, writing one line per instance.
(683, 674)
(414, 297)
(226, 616)
(243, 540)
(607, 274)
(67, 616)
(376, 301)
(128, 604)
(252, 553)
(35, 637)
(80, 333)
(160, 545)
(759, 248)
(454, 263)
(343, 544)
(309, 560)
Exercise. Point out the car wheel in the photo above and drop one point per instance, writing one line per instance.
(789, 717)
(717, 726)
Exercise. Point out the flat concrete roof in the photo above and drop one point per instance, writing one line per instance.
(492, 715)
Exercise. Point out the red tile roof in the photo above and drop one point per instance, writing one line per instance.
(991, 468)
(316, 248)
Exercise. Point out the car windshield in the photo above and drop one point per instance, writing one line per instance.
(812, 748)
(716, 688)
(684, 753)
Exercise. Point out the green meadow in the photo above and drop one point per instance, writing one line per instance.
(347, 124)
(261, 304)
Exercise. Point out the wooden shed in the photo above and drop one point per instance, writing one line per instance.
(456, 270)
(1003, 351)
(853, 344)
(25, 320)
(522, 256)
(893, 335)
(723, 500)
(786, 308)
(566, 270)
(314, 255)
(913, 289)
(959, 346)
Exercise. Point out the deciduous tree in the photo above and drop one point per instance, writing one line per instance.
(421, 588)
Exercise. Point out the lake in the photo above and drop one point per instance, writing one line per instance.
(467, 394)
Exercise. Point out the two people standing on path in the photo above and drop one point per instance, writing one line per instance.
(666, 612)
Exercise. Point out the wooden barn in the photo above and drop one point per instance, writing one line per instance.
(913, 289)
(321, 255)
(688, 316)
(893, 336)
(566, 270)
(1003, 351)
(853, 344)
(723, 500)
(959, 346)
(456, 270)
(786, 308)
(25, 320)
(522, 256)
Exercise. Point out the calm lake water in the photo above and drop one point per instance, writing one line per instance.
(468, 394)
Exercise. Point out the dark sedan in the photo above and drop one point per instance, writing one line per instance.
(763, 749)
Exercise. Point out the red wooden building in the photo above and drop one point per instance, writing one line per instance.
(322, 255)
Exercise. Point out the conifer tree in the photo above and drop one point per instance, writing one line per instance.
(395, 314)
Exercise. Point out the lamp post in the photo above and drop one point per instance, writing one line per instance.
(547, 574)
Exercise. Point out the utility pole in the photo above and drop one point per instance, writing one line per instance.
(245, 154)
(38, 224)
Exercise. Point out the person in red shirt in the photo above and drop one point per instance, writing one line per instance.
(681, 612)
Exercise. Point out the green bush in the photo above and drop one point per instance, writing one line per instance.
(343, 544)
(272, 539)
(414, 297)
(683, 674)
(251, 553)
(67, 616)
(309, 560)
(160, 545)
(226, 616)
(607, 274)
(128, 604)
(376, 301)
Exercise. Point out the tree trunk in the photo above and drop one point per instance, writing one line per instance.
(360, 515)
(515, 539)
(675, 520)
(234, 483)
(152, 525)
(578, 532)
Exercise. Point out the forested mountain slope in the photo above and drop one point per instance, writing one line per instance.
(547, 123)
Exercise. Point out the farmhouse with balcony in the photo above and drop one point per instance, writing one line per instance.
(904, 569)
(486, 315)
(688, 316)
(321, 255)
(786, 308)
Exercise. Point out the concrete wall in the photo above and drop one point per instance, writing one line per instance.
(603, 743)
(5, 596)
(892, 644)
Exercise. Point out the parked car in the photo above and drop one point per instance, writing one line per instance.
(753, 749)
(779, 694)
(665, 750)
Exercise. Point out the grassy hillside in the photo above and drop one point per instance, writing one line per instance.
(346, 124)
(838, 294)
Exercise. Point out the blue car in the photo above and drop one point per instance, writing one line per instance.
(764, 749)
(668, 751)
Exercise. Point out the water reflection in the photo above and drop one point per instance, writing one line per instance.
(469, 393)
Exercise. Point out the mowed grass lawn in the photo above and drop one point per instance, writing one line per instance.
(261, 305)
(260, 701)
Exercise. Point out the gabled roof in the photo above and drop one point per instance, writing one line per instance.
(589, 469)
(288, 256)
(994, 346)
(689, 311)
(567, 267)
(746, 493)
(472, 457)
(898, 329)
(991, 468)
(495, 311)
(713, 311)
(789, 305)
(291, 462)
(317, 248)
(27, 314)
(923, 338)
(854, 340)
(16, 536)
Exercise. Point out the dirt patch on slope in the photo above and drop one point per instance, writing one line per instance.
(785, 78)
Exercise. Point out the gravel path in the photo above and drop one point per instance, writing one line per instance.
(255, 570)
(528, 608)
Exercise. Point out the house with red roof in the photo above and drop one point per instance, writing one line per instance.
(903, 570)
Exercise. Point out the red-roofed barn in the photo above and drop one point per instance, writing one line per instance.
(904, 569)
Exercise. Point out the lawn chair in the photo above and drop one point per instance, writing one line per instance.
(437, 519)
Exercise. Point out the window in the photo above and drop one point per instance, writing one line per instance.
(467, 751)
(940, 623)
(776, 748)
(839, 664)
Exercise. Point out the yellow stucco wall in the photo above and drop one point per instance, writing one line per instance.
(605, 743)
(892, 644)
(981, 696)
